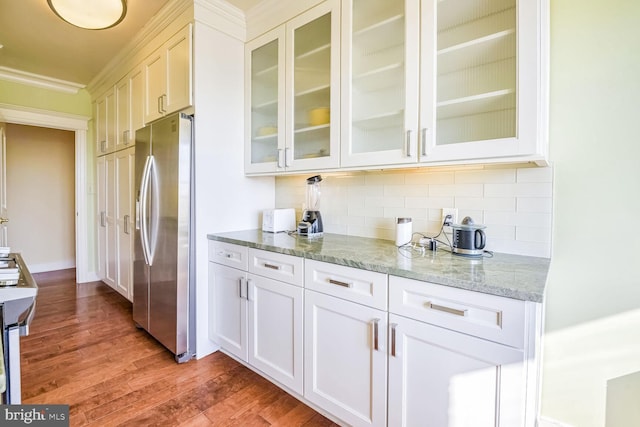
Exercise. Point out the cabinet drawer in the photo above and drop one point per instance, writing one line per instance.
(286, 268)
(353, 284)
(228, 254)
(486, 316)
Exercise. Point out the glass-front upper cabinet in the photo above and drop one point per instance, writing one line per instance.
(484, 59)
(292, 73)
(264, 121)
(380, 76)
(313, 92)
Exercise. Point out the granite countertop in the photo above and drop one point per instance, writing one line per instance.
(513, 276)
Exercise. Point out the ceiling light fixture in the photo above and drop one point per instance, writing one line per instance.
(92, 15)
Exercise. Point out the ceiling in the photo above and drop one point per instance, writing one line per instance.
(34, 40)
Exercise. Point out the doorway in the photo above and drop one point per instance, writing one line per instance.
(40, 181)
(85, 248)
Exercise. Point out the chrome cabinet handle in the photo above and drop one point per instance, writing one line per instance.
(103, 222)
(125, 137)
(240, 283)
(393, 339)
(446, 309)
(247, 296)
(126, 224)
(286, 157)
(339, 283)
(103, 146)
(424, 141)
(280, 151)
(375, 333)
(272, 266)
(408, 143)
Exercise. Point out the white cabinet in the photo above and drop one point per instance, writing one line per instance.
(129, 108)
(105, 114)
(380, 82)
(125, 178)
(483, 79)
(439, 377)
(462, 359)
(345, 342)
(106, 195)
(478, 68)
(258, 319)
(293, 94)
(168, 76)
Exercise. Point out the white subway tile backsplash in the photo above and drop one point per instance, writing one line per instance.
(456, 190)
(515, 203)
(422, 178)
(534, 204)
(501, 176)
(518, 190)
(535, 174)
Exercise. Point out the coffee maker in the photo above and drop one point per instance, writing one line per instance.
(311, 223)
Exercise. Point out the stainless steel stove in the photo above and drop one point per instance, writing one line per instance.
(18, 292)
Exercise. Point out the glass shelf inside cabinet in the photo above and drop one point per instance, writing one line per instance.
(476, 70)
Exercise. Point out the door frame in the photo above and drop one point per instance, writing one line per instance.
(13, 114)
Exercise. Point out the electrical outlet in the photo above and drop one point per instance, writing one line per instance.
(450, 211)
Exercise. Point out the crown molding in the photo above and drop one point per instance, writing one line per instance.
(40, 81)
(222, 16)
(141, 43)
(268, 14)
(35, 117)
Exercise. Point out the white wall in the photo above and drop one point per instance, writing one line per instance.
(593, 297)
(41, 196)
(513, 202)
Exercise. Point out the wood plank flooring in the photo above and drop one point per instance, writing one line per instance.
(84, 350)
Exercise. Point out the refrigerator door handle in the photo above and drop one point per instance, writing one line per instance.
(144, 188)
(155, 211)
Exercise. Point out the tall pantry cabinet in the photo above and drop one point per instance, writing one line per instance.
(159, 85)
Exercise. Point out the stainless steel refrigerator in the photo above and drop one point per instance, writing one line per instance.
(163, 276)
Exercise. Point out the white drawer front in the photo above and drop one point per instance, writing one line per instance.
(228, 254)
(491, 317)
(286, 268)
(353, 284)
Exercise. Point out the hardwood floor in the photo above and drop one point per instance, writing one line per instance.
(84, 350)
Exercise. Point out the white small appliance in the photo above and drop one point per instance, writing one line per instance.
(278, 220)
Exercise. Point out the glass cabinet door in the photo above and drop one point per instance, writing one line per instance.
(313, 99)
(265, 95)
(486, 67)
(380, 74)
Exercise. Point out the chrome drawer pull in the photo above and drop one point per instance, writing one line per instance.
(375, 333)
(447, 309)
(271, 266)
(339, 283)
(393, 339)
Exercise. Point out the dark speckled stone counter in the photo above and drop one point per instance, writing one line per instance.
(512, 276)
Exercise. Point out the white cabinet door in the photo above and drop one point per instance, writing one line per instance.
(345, 359)
(106, 194)
(228, 309)
(275, 330)
(439, 377)
(155, 83)
(179, 74)
(380, 82)
(123, 114)
(168, 76)
(105, 110)
(482, 79)
(101, 219)
(125, 174)
(265, 100)
(136, 82)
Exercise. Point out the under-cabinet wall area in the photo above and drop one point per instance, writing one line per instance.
(514, 202)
